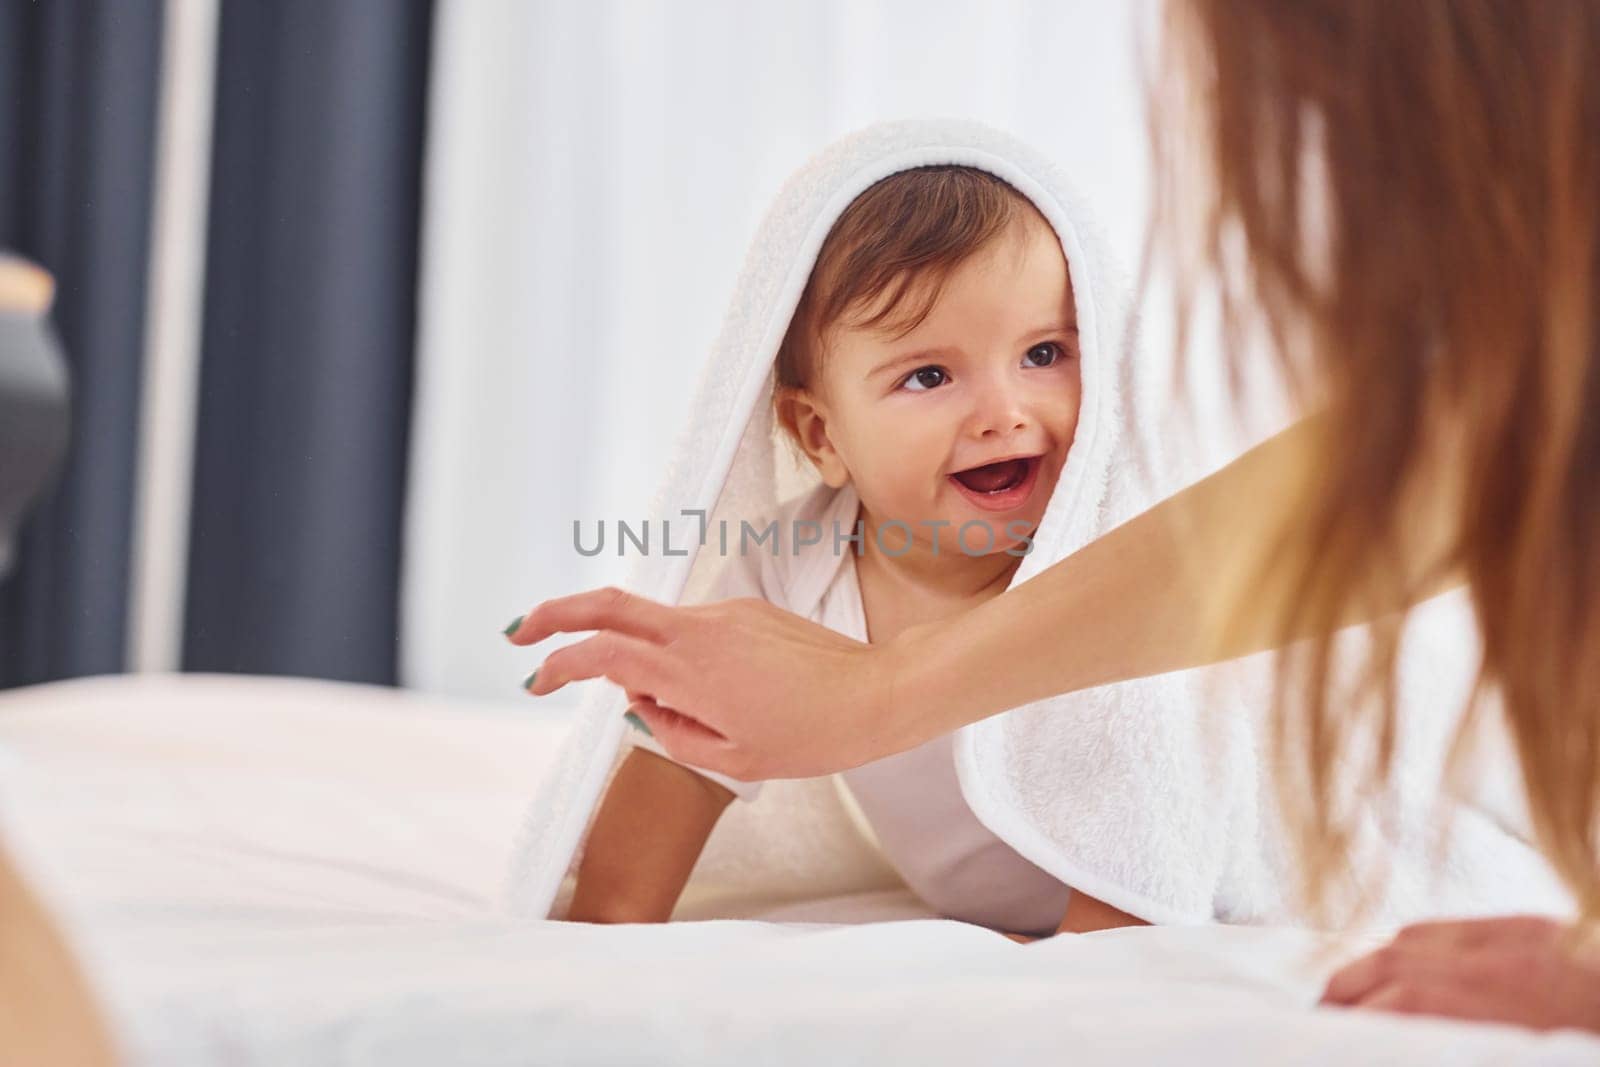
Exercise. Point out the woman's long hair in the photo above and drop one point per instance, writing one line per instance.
(1403, 200)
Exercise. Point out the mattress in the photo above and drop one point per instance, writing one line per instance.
(289, 872)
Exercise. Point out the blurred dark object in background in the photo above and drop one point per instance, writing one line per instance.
(33, 395)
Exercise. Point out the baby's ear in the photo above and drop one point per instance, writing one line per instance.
(783, 407)
(804, 420)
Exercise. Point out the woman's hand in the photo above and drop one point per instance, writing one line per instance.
(1510, 970)
(740, 687)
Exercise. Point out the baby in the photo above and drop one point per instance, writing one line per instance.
(930, 375)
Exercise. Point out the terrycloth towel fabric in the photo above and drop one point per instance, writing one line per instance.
(1152, 795)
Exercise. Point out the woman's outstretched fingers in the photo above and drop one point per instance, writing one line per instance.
(631, 662)
(766, 693)
(608, 608)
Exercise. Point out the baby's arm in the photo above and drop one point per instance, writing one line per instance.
(651, 828)
(1086, 914)
(657, 815)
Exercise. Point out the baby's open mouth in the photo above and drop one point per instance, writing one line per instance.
(997, 477)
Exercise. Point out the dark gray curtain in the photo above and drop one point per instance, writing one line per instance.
(79, 81)
(307, 360)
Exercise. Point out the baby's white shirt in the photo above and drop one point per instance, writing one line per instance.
(911, 800)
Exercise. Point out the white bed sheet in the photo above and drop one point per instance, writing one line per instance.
(284, 872)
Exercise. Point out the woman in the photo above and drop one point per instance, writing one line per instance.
(1403, 200)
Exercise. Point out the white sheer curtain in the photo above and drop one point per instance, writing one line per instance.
(595, 170)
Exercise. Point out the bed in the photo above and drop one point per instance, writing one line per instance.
(290, 872)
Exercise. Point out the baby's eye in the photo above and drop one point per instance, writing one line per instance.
(1044, 355)
(924, 378)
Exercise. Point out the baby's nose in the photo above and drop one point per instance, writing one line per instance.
(999, 412)
(1000, 428)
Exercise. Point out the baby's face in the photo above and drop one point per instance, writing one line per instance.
(969, 416)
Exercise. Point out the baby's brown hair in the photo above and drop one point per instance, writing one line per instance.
(888, 255)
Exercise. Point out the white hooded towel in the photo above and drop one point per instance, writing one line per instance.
(1152, 795)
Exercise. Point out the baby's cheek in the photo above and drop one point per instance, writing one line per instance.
(1065, 410)
(903, 476)
(907, 445)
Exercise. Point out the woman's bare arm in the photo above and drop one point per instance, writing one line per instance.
(1140, 601)
(752, 691)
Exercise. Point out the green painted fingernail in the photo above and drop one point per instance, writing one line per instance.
(638, 723)
(516, 624)
(527, 683)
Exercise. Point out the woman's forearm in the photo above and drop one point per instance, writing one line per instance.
(1141, 600)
